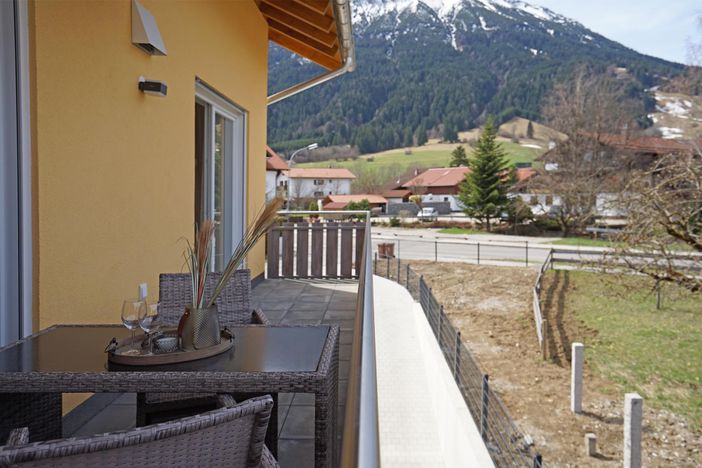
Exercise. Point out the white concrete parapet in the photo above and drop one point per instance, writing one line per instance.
(422, 417)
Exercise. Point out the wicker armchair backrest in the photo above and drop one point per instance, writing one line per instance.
(233, 304)
(231, 436)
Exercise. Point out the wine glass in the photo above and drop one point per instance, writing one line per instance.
(133, 311)
(151, 322)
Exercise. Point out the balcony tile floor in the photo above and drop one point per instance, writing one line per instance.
(284, 302)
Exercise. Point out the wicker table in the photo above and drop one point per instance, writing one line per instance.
(35, 371)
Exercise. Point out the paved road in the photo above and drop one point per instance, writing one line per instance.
(427, 244)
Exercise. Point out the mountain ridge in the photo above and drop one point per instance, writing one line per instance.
(425, 64)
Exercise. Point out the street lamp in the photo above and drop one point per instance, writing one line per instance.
(309, 147)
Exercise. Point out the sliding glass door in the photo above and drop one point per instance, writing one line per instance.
(220, 170)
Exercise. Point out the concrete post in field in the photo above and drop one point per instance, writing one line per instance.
(576, 378)
(590, 444)
(633, 413)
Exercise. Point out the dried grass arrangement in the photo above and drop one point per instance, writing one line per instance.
(199, 255)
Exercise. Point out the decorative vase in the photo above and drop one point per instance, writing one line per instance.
(199, 328)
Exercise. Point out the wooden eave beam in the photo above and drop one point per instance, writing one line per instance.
(328, 39)
(291, 33)
(309, 16)
(302, 48)
(320, 6)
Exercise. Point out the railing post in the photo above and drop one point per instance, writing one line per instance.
(484, 407)
(526, 261)
(550, 256)
(399, 281)
(457, 358)
(478, 253)
(387, 270)
(438, 324)
(436, 251)
(375, 263)
(407, 269)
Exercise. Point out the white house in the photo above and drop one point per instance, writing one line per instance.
(276, 181)
(318, 182)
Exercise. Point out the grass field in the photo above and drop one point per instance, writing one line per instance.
(657, 353)
(423, 157)
(458, 230)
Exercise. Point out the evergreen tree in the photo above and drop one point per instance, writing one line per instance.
(407, 139)
(459, 157)
(421, 135)
(484, 191)
(450, 130)
(530, 130)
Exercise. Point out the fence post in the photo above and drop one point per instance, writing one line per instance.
(399, 281)
(526, 261)
(387, 270)
(375, 264)
(398, 249)
(550, 256)
(538, 461)
(457, 358)
(478, 253)
(576, 378)
(484, 407)
(436, 251)
(438, 324)
(633, 411)
(407, 277)
(544, 341)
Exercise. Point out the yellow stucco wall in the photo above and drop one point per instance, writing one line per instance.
(114, 186)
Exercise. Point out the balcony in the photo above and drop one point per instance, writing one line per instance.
(414, 400)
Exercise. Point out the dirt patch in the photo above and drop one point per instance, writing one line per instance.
(492, 307)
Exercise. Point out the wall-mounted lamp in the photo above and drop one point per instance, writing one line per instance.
(153, 87)
(145, 33)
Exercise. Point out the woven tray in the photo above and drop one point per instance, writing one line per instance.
(119, 354)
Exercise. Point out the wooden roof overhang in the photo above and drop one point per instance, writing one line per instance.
(306, 27)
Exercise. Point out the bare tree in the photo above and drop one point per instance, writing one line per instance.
(664, 205)
(585, 108)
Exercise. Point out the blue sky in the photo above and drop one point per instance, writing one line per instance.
(654, 27)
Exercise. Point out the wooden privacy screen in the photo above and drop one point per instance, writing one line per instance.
(315, 250)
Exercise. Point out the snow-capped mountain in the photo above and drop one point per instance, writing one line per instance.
(423, 64)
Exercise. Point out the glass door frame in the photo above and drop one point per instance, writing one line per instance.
(234, 162)
(16, 263)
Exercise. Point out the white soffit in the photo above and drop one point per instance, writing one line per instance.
(145, 33)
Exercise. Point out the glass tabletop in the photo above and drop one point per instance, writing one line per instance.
(81, 349)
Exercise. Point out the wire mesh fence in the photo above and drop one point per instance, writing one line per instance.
(507, 445)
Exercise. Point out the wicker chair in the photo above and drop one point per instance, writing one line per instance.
(232, 435)
(233, 308)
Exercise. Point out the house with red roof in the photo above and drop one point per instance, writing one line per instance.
(276, 183)
(439, 184)
(340, 202)
(318, 182)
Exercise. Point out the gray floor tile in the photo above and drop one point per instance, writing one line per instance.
(112, 418)
(296, 453)
(299, 423)
(303, 399)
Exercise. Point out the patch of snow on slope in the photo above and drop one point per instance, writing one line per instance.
(484, 25)
(671, 132)
(534, 51)
(672, 105)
